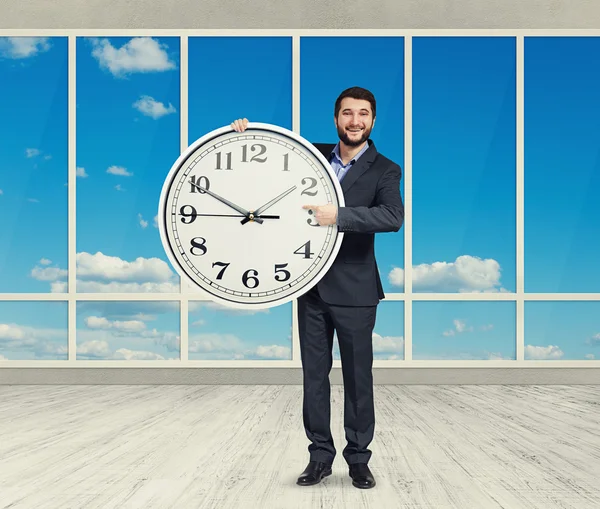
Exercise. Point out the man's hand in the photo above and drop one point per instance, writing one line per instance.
(324, 214)
(239, 125)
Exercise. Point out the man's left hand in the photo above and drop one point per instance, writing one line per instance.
(324, 214)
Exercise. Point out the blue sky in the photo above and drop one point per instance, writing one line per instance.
(33, 163)
(464, 174)
(562, 165)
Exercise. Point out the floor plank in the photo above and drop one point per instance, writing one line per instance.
(242, 447)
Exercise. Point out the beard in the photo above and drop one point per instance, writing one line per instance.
(353, 142)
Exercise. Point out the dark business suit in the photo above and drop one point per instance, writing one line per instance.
(346, 300)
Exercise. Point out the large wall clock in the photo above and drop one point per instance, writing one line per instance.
(231, 219)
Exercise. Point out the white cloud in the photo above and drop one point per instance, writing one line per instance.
(11, 332)
(140, 54)
(31, 152)
(47, 158)
(119, 170)
(99, 273)
(543, 352)
(467, 274)
(80, 172)
(156, 221)
(143, 223)
(100, 322)
(595, 339)
(153, 108)
(198, 323)
(387, 344)
(94, 348)
(274, 352)
(43, 342)
(1, 191)
(384, 347)
(116, 287)
(2, 358)
(33, 200)
(23, 47)
(137, 355)
(459, 326)
(230, 310)
(119, 188)
(112, 268)
(216, 346)
(45, 261)
(590, 356)
(49, 273)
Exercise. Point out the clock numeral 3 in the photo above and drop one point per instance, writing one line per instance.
(309, 220)
(198, 245)
(228, 161)
(314, 183)
(202, 181)
(263, 149)
(306, 251)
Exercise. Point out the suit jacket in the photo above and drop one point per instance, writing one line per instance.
(373, 204)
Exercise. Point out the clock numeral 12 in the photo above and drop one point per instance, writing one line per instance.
(263, 149)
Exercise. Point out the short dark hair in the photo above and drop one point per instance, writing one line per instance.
(355, 93)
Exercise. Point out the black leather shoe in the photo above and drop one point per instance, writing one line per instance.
(314, 472)
(361, 476)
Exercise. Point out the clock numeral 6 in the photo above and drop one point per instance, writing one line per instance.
(251, 274)
(246, 277)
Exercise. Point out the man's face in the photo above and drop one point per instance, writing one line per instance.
(354, 121)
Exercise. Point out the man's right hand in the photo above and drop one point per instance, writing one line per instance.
(240, 124)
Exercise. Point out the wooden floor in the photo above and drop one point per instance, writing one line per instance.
(242, 447)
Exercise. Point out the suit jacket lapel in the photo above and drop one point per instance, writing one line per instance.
(359, 167)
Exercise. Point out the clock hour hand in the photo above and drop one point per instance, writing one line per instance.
(264, 207)
(249, 215)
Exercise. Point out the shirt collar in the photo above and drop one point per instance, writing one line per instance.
(336, 153)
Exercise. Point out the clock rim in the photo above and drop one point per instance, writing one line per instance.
(176, 265)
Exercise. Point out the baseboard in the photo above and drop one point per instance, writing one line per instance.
(293, 376)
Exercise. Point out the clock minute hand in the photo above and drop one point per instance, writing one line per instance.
(227, 202)
(267, 205)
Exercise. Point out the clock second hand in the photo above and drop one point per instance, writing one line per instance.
(248, 215)
(228, 215)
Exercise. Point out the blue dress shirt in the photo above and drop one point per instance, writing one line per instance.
(337, 164)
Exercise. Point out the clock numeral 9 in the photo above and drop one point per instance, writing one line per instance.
(190, 215)
(202, 181)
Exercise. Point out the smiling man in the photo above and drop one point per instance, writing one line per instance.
(345, 300)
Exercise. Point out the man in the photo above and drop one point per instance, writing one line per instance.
(346, 298)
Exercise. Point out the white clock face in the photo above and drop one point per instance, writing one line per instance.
(203, 215)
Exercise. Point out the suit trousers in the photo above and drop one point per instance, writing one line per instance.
(354, 327)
